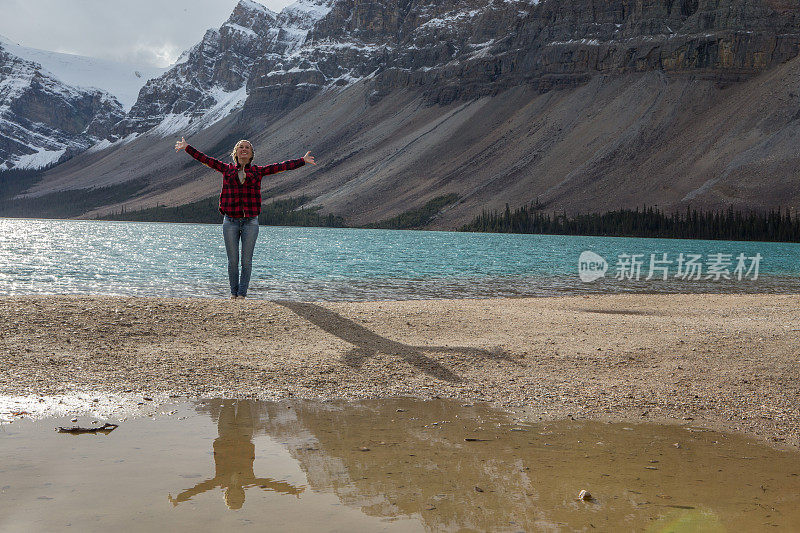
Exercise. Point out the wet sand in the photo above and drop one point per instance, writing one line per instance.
(729, 362)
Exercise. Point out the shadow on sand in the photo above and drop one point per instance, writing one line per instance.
(368, 343)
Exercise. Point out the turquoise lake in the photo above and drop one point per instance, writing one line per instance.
(311, 264)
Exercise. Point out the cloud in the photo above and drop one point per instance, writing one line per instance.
(146, 32)
(159, 54)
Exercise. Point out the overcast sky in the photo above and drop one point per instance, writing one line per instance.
(143, 32)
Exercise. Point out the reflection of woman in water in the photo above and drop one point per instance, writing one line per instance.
(234, 453)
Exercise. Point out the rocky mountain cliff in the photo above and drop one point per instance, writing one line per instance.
(582, 104)
(466, 49)
(209, 81)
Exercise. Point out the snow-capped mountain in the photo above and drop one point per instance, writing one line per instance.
(210, 80)
(44, 120)
(120, 79)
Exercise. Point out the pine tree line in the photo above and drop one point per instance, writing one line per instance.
(276, 213)
(775, 225)
(418, 217)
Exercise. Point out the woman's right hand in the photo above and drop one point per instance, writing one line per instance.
(181, 145)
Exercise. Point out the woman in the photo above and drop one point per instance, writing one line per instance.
(240, 203)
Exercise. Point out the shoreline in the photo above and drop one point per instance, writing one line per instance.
(435, 229)
(727, 362)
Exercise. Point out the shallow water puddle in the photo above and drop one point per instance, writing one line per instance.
(387, 465)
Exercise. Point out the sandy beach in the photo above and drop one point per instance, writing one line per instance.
(729, 362)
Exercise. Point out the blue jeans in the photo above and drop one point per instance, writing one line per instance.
(234, 229)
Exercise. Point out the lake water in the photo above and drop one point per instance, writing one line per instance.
(178, 260)
(385, 465)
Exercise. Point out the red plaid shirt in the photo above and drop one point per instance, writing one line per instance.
(241, 199)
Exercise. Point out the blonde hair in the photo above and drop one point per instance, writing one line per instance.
(233, 153)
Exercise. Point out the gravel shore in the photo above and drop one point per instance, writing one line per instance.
(730, 362)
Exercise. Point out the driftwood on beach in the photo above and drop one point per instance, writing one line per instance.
(105, 428)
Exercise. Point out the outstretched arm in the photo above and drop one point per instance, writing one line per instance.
(268, 483)
(197, 489)
(210, 162)
(291, 164)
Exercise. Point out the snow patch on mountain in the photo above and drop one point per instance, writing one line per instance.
(247, 31)
(186, 123)
(452, 18)
(227, 103)
(172, 123)
(106, 143)
(40, 159)
(311, 10)
(257, 6)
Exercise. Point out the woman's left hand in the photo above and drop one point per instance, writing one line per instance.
(308, 158)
